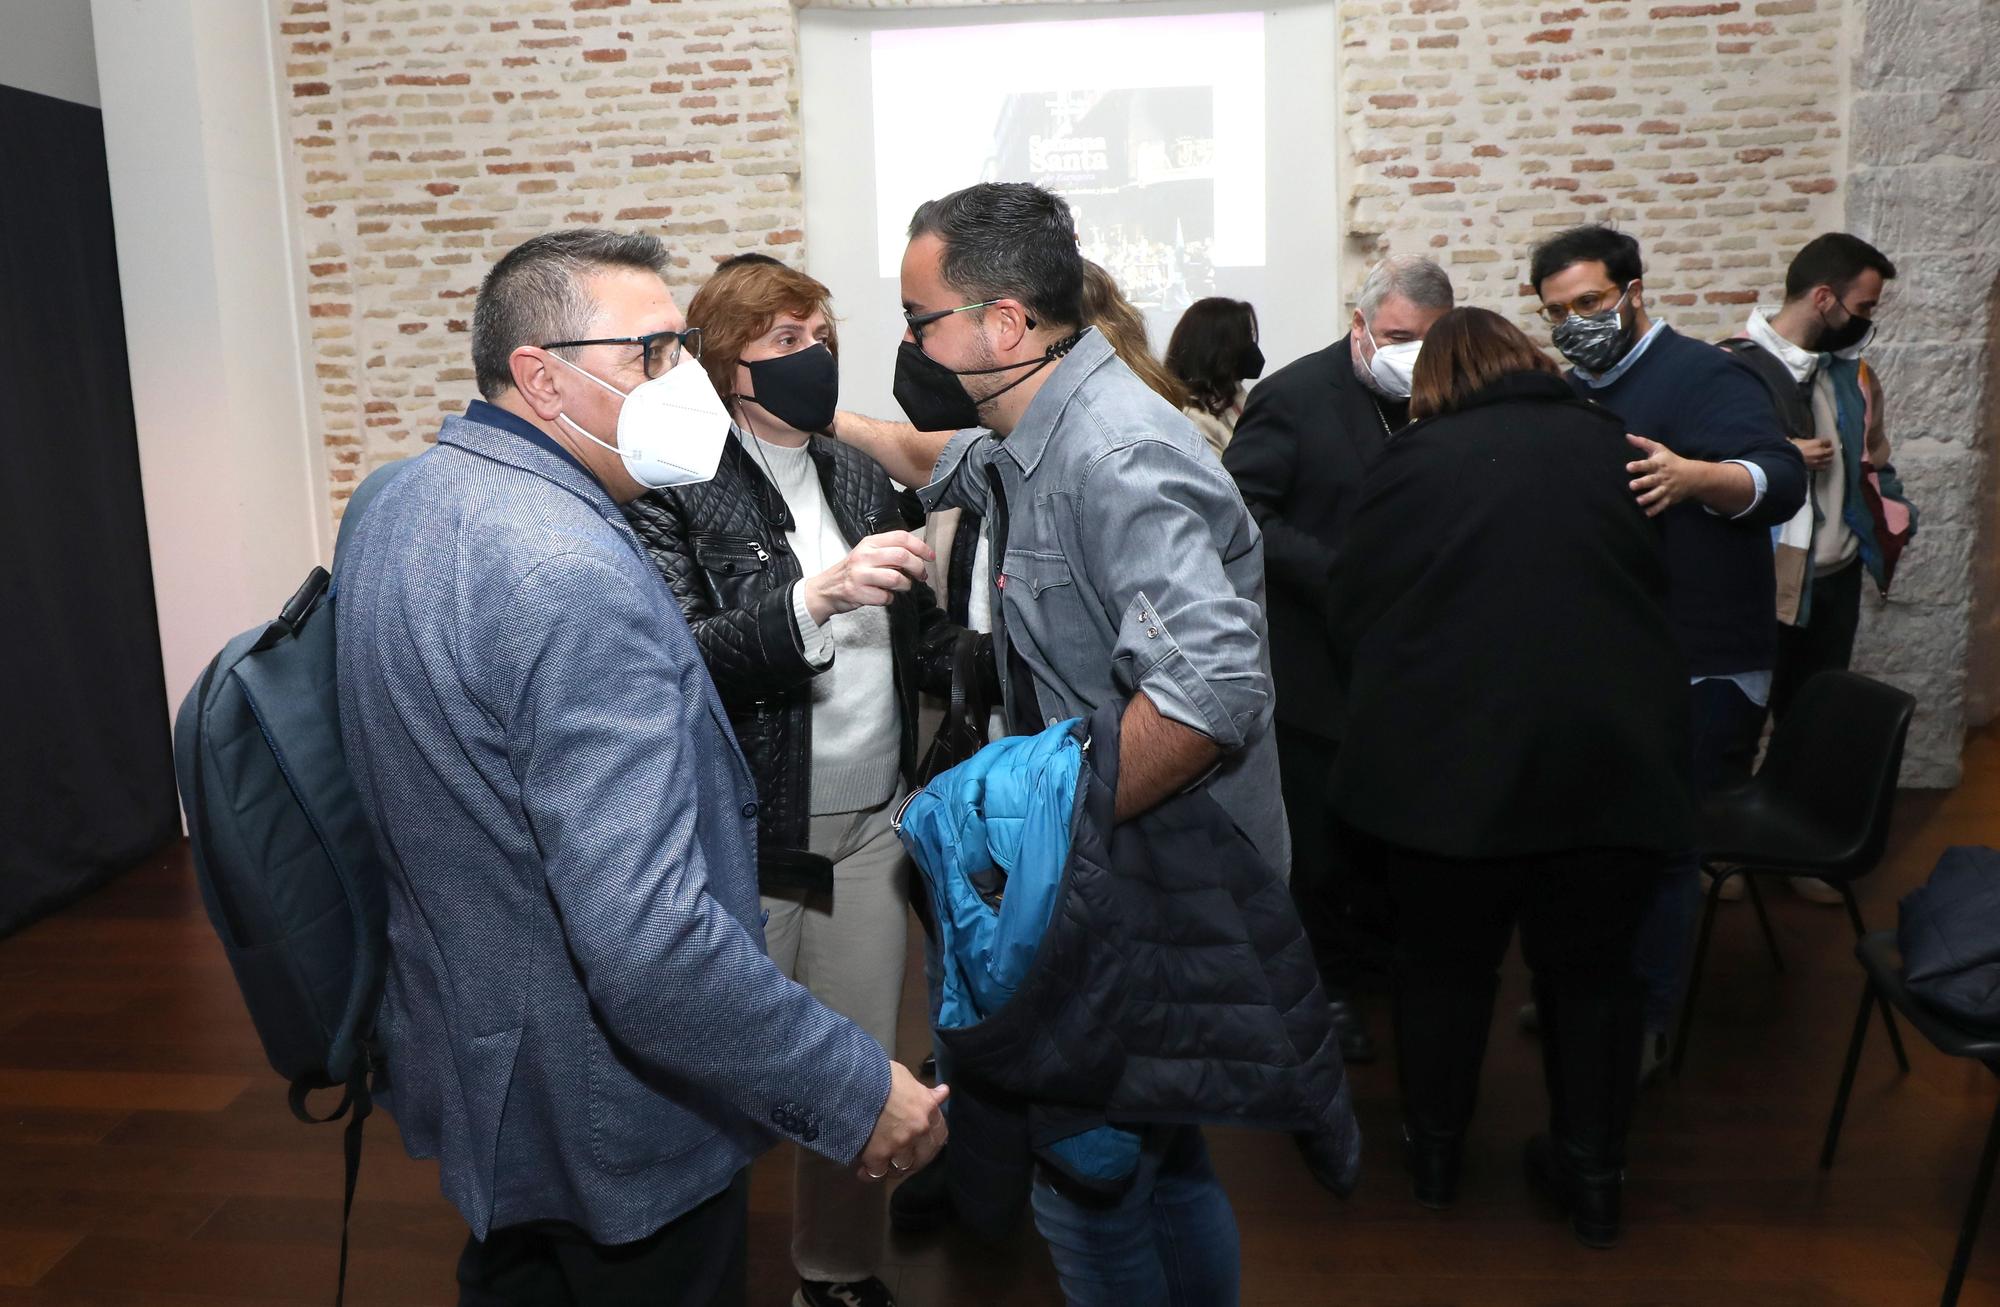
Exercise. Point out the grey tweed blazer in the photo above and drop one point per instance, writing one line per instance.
(579, 1019)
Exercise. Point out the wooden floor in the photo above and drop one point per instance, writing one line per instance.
(146, 1154)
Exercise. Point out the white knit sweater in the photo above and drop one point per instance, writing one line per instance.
(856, 738)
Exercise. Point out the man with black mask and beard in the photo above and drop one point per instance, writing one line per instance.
(1809, 353)
(1127, 571)
(1711, 463)
(1303, 447)
(1811, 348)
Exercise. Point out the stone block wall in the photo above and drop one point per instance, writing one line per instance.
(429, 137)
(1925, 187)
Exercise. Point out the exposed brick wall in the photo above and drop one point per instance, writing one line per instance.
(1714, 132)
(429, 138)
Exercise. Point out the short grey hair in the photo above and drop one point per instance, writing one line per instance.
(535, 294)
(1412, 276)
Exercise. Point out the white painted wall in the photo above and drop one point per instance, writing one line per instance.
(228, 449)
(45, 47)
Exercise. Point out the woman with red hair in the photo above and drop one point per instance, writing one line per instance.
(805, 588)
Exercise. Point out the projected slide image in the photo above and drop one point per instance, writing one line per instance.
(1151, 120)
(1137, 167)
(1152, 128)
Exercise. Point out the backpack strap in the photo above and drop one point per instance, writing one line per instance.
(203, 839)
(1788, 394)
(358, 1095)
(357, 503)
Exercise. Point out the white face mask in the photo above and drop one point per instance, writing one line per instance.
(671, 430)
(1392, 365)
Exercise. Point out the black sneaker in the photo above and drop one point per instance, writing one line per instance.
(922, 1203)
(870, 1292)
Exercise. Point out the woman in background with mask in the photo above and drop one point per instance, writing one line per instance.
(1212, 352)
(803, 584)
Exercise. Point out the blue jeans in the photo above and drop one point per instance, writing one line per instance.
(1723, 726)
(1171, 1239)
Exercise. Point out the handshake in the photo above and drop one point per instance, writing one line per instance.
(910, 1130)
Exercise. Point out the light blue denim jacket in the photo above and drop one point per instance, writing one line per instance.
(1131, 565)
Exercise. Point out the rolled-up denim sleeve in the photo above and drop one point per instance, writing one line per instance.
(1184, 635)
(956, 481)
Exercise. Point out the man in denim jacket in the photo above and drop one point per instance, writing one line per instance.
(1128, 571)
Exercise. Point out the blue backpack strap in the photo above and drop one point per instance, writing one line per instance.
(357, 503)
(288, 697)
(357, 1096)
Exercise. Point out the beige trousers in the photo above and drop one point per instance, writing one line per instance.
(849, 952)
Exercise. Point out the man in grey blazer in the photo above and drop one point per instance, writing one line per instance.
(579, 1020)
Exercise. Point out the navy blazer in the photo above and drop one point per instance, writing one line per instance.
(579, 1018)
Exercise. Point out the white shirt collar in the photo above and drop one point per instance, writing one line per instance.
(1801, 363)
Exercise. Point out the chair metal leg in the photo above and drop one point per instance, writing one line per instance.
(1888, 1017)
(1847, 1075)
(1975, 1207)
(1764, 920)
(1694, 971)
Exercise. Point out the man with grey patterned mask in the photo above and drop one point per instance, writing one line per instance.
(1709, 460)
(1308, 435)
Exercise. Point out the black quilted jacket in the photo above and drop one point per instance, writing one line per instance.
(723, 549)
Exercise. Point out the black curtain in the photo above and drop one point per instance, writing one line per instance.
(86, 774)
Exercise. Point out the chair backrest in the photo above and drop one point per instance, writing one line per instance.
(1836, 756)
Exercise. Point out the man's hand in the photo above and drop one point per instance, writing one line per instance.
(1663, 478)
(871, 575)
(1818, 454)
(910, 1130)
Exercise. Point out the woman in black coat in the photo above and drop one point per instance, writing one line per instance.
(1515, 744)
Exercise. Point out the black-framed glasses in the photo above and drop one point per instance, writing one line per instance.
(916, 322)
(667, 345)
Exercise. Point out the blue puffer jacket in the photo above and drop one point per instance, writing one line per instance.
(994, 835)
(1097, 973)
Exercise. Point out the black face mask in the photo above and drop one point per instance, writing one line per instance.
(1832, 340)
(933, 397)
(800, 389)
(1250, 365)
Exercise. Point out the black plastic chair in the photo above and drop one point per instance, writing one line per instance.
(1819, 806)
(1885, 985)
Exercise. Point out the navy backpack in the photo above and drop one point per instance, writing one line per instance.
(285, 859)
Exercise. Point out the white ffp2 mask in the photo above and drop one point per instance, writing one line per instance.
(671, 430)
(1393, 365)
